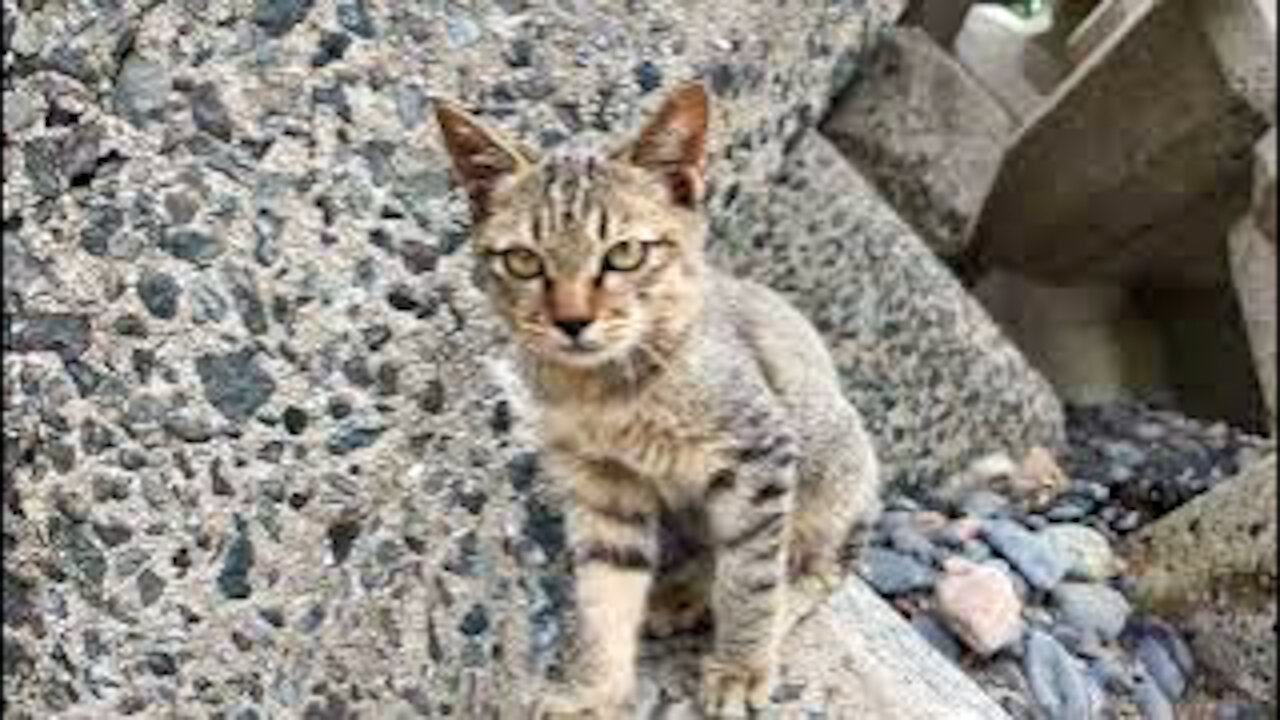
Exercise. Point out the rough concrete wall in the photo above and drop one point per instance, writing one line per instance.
(255, 465)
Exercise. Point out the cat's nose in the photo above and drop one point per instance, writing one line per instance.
(573, 328)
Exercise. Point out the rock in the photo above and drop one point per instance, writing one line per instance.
(1094, 609)
(277, 17)
(938, 393)
(1056, 681)
(66, 334)
(192, 245)
(209, 113)
(938, 636)
(892, 573)
(1087, 552)
(1033, 557)
(1151, 701)
(1211, 566)
(978, 603)
(1039, 478)
(912, 542)
(159, 293)
(1163, 655)
(234, 383)
(141, 89)
(233, 581)
(984, 504)
(927, 133)
(354, 16)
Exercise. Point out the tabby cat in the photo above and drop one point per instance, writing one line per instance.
(695, 419)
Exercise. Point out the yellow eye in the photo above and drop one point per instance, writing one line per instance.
(626, 256)
(523, 264)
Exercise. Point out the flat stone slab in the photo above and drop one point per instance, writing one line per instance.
(853, 657)
(926, 132)
(1211, 566)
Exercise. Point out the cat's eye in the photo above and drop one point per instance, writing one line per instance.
(521, 263)
(626, 256)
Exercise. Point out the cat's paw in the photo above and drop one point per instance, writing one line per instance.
(806, 593)
(733, 690)
(567, 704)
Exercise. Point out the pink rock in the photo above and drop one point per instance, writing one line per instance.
(978, 603)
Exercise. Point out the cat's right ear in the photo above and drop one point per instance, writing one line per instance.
(482, 159)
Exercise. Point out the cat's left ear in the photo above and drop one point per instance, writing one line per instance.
(673, 144)
(482, 158)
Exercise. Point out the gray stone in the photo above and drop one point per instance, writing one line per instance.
(141, 89)
(892, 573)
(1163, 656)
(1033, 557)
(63, 333)
(354, 16)
(278, 17)
(159, 293)
(1087, 552)
(1055, 678)
(926, 133)
(238, 561)
(192, 245)
(209, 113)
(207, 304)
(1094, 609)
(235, 383)
(938, 636)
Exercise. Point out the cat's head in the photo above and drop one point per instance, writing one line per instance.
(590, 254)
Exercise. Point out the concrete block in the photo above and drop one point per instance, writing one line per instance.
(1253, 272)
(926, 133)
(1143, 140)
(1264, 185)
(941, 19)
(1211, 567)
(1090, 341)
(1243, 35)
(854, 656)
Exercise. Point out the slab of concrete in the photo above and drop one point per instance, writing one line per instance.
(927, 133)
(1211, 566)
(1144, 138)
(854, 657)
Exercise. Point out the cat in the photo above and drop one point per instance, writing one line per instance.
(696, 419)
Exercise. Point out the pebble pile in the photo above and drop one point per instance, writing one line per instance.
(1008, 569)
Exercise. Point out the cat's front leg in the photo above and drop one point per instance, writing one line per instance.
(749, 506)
(613, 533)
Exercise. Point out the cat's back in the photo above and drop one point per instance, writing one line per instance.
(783, 342)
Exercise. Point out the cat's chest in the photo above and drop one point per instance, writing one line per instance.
(672, 445)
